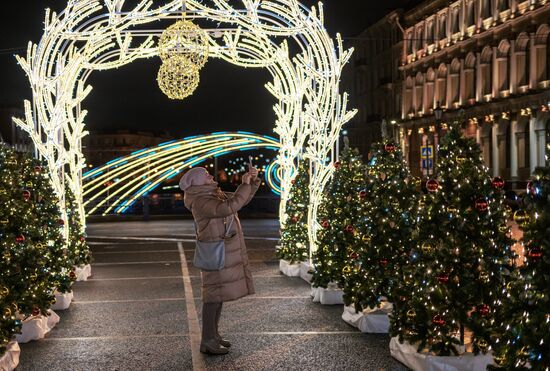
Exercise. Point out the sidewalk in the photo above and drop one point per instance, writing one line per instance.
(141, 311)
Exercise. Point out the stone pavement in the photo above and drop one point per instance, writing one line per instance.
(141, 311)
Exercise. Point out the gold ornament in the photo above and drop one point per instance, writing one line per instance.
(484, 276)
(522, 218)
(185, 39)
(482, 345)
(346, 269)
(427, 247)
(7, 312)
(176, 79)
(365, 238)
(503, 228)
(411, 314)
(461, 158)
(4, 291)
(451, 209)
(500, 360)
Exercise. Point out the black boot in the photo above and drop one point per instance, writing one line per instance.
(223, 342)
(209, 342)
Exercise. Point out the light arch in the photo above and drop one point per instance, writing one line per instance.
(92, 35)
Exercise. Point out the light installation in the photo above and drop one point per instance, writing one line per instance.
(117, 185)
(95, 35)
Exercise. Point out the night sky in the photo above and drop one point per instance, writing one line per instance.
(228, 97)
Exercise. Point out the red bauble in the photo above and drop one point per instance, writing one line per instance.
(481, 204)
(354, 256)
(325, 224)
(535, 253)
(483, 309)
(349, 228)
(498, 183)
(20, 238)
(390, 147)
(60, 221)
(26, 195)
(438, 320)
(35, 311)
(82, 238)
(337, 165)
(295, 219)
(432, 185)
(383, 262)
(293, 181)
(363, 194)
(37, 169)
(443, 278)
(72, 275)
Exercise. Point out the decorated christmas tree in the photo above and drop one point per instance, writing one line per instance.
(294, 243)
(11, 281)
(338, 216)
(386, 218)
(457, 277)
(79, 251)
(523, 342)
(48, 234)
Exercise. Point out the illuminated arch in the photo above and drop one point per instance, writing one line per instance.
(126, 179)
(92, 35)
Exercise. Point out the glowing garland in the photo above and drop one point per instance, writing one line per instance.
(92, 35)
(128, 178)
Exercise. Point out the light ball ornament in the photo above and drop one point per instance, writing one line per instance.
(186, 39)
(176, 79)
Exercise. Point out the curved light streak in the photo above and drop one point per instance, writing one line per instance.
(273, 175)
(128, 178)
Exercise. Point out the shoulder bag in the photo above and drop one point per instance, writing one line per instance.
(210, 255)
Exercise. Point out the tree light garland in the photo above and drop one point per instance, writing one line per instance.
(93, 35)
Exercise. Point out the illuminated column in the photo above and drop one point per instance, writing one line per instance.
(495, 148)
(533, 141)
(514, 148)
(512, 59)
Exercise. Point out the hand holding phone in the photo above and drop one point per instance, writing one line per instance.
(251, 169)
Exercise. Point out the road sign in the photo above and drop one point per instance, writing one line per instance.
(427, 163)
(427, 152)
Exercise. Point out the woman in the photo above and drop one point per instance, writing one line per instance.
(214, 211)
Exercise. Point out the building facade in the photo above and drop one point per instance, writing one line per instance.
(98, 148)
(372, 79)
(486, 63)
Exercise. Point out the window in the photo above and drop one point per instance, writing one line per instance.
(487, 10)
(442, 27)
(470, 16)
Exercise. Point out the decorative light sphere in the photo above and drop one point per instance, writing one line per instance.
(176, 79)
(185, 39)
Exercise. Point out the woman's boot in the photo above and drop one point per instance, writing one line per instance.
(222, 341)
(209, 342)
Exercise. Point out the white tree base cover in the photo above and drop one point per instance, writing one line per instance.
(290, 270)
(62, 301)
(332, 295)
(83, 272)
(372, 321)
(407, 354)
(10, 359)
(36, 327)
(304, 269)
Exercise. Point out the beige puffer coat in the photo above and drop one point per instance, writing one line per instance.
(211, 208)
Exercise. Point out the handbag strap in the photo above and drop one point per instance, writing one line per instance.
(227, 229)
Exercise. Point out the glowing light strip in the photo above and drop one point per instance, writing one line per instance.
(130, 172)
(92, 35)
(273, 177)
(153, 184)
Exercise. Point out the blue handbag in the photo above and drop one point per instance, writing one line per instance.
(210, 255)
